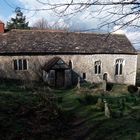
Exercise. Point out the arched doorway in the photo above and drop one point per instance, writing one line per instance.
(105, 76)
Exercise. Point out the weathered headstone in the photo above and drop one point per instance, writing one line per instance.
(104, 85)
(107, 110)
(100, 104)
(78, 84)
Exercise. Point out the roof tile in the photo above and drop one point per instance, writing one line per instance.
(57, 42)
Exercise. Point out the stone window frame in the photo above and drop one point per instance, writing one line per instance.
(20, 64)
(98, 67)
(119, 65)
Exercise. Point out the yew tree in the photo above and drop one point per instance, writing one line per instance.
(19, 22)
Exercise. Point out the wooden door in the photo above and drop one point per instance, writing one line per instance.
(51, 78)
(68, 78)
(60, 78)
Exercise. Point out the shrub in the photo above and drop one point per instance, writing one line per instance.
(109, 86)
(88, 85)
(138, 136)
(138, 82)
(132, 89)
(81, 100)
(59, 99)
(90, 99)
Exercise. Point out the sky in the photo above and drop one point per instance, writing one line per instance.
(88, 20)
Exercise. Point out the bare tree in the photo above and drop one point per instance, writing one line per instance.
(114, 12)
(44, 24)
(41, 24)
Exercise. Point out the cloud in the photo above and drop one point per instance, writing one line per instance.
(118, 30)
(132, 35)
(33, 16)
(134, 38)
(77, 22)
(91, 17)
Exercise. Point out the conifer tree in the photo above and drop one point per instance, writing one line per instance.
(19, 22)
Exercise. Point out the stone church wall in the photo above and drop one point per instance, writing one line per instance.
(80, 64)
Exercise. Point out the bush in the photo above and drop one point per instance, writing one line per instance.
(132, 89)
(138, 136)
(109, 86)
(138, 82)
(88, 85)
(88, 100)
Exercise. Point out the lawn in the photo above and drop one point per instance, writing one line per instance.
(39, 113)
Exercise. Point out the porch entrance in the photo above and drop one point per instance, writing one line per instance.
(57, 73)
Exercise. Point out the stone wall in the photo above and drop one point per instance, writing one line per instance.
(80, 64)
(138, 63)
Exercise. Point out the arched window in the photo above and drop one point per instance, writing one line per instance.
(119, 67)
(97, 66)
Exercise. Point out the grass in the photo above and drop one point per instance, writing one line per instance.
(92, 122)
(25, 115)
(29, 114)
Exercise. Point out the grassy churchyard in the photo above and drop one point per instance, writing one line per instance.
(41, 113)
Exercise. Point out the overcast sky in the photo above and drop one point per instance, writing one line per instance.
(88, 20)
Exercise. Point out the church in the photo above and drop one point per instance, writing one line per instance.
(59, 58)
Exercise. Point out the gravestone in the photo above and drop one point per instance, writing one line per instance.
(104, 85)
(107, 110)
(78, 84)
(100, 104)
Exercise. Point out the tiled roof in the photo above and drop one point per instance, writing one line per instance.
(53, 64)
(53, 42)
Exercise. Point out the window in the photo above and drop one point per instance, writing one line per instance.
(119, 67)
(97, 67)
(84, 75)
(20, 64)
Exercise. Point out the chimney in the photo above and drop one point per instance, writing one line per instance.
(1, 27)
